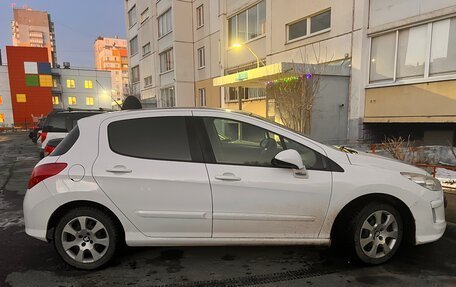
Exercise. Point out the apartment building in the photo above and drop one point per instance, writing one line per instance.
(110, 54)
(172, 46)
(82, 89)
(384, 73)
(31, 28)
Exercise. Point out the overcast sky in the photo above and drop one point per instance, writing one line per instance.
(77, 24)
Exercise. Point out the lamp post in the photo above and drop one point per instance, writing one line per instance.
(239, 45)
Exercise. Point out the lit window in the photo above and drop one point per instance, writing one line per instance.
(55, 83)
(201, 58)
(21, 98)
(71, 84)
(72, 101)
(202, 97)
(89, 101)
(166, 61)
(88, 84)
(165, 23)
(2, 118)
(200, 16)
(55, 100)
(1, 100)
(132, 16)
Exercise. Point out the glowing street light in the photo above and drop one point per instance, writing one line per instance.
(239, 45)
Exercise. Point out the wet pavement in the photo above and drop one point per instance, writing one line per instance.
(25, 261)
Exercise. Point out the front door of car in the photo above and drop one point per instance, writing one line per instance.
(152, 169)
(251, 197)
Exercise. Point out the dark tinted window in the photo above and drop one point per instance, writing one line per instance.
(67, 142)
(55, 123)
(152, 138)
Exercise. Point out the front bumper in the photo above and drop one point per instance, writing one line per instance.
(429, 220)
(38, 206)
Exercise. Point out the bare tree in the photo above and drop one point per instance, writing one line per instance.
(399, 148)
(295, 94)
(131, 90)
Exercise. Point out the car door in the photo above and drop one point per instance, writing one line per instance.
(152, 169)
(252, 198)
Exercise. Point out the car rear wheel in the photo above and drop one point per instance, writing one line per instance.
(86, 238)
(376, 233)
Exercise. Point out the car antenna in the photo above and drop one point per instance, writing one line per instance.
(120, 107)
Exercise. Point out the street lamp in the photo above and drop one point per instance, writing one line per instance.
(239, 45)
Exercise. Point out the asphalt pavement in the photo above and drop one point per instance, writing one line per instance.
(25, 261)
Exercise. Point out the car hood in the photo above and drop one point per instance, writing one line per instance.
(368, 159)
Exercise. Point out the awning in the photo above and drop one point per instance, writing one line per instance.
(256, 78)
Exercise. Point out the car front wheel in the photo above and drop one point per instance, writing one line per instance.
(376, 232)
(86, 238)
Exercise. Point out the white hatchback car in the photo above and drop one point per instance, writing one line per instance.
(212, 177)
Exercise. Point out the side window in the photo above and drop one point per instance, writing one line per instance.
(235, 142)
(161, 138)
(310, 158)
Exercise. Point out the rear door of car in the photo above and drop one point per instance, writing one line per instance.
(151, 167)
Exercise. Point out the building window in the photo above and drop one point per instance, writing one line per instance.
(55, 100)
(89, 101)
(166, 61)
(132, 16)
(134, 46)
(72, 101)
(201, 58)
(165, 24)
(145, 15)
(148, 81)
(309, 25)
(200, 16)
(2, 118)
(430, 45)
(88, 84)
(146, 49)
(55, 83)
(233, 94)
(248, 24)
(21, 98)
(1, 100)
(202, 97)
(167, 97)
(71, 84)
(135, 74)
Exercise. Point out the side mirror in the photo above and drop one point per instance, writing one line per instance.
(289, 158)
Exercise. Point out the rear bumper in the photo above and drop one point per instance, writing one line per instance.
(38, 207)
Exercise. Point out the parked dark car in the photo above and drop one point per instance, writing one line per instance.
(33, 135)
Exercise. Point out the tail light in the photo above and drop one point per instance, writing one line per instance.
(48, 149)
(44, 171)
(43, 136)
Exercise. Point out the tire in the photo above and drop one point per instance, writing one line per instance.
(375, 233)
(86, 238)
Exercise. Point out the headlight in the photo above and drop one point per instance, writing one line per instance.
(424, 180)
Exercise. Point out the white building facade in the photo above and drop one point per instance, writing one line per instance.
(228, 49)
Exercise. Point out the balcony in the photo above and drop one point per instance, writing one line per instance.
(418, 103)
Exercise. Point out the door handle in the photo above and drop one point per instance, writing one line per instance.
(119, 169)
(228, 176)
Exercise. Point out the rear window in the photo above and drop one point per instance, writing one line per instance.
(158, 138)
(67, 142)
(55, 123)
